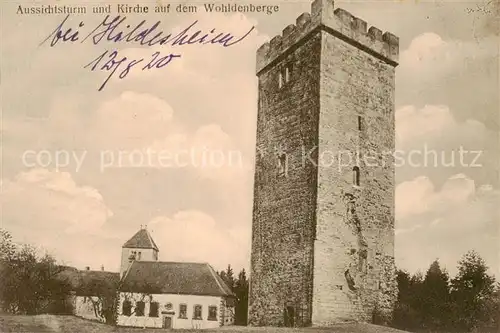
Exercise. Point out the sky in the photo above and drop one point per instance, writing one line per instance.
(74, 184)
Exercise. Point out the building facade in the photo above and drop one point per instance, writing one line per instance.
(174, 311)
(177, 295)
(151, 293)
(323, 216)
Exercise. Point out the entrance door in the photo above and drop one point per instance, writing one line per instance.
(167, 322)
(290, 316)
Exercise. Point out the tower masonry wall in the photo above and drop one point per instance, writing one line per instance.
(354, 272)
(284, 205)
(337, 21)
(322, 245)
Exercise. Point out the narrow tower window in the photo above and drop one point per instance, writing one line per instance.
(355, 175)
(360, 123)
(284, 76)
(362, 260)
(282, 164)
(288, 73)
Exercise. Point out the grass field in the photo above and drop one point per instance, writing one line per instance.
(70, 324)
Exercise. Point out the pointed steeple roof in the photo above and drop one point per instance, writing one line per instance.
(141, 240)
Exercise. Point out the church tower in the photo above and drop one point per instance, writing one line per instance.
(323, 216)
(141, 247)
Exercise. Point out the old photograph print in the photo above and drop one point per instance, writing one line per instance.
(250, 166)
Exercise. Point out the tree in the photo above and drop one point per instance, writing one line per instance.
(7, 247)
(228, 277)
(494, 309)
(435, 298)
(7, 251)
(240, 288)
(29, 282)
(241, 291)
(473, 294)
(407, 312)
(105, 299)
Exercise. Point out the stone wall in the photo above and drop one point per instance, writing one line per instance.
(284, 205)
(354, 247)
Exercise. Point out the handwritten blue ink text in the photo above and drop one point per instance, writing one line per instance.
(114, 63)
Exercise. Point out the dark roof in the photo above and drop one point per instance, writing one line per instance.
(90, 283)
(142, 240)
(174, 278)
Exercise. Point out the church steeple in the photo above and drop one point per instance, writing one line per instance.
(141, 240)
(141, 247)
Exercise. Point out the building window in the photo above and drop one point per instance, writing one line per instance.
(197, 312)
(153, 309)
(155, 255)
(139, 309)
(212, 313)
(284, 75)
(355, 175)
(282, 164)
(288, 73)
(183, 311)
(360, 123)
(126, 308)
(362, 260)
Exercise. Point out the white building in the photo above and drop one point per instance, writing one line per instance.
(169, 294)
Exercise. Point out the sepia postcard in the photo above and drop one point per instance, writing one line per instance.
(250, 166)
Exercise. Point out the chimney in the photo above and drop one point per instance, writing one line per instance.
(87, 268)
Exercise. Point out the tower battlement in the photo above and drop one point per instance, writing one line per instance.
(336, 21)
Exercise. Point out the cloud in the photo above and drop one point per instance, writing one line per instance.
(51, 211)
(116, 120)
(130, 120)
(446, 222)
(40, 199)
(209, 83)
(197, 237)
(422, 48)
(434, 123)
(419, 196)
(437, 143)
(208, 151)
(456, 73)
(429, 56)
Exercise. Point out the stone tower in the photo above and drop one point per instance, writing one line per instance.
(323, 234)
(141, 247)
